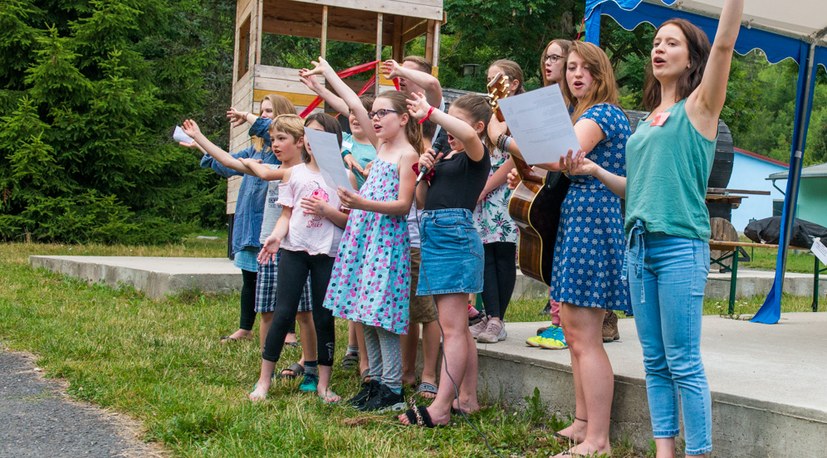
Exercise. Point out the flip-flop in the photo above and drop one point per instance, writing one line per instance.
(427, 388)
(419, 416)
(292, 371)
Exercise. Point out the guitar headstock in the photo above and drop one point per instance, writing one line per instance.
(497, 90)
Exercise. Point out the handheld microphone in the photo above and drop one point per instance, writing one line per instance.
(422, 172)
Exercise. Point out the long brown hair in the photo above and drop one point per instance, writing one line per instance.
(512, 70)
(604, 86)
(478, 109)
(281, 106)
(698, 44)
(412, 130)
(564, 45)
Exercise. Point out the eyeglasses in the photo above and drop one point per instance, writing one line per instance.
(381, 113)
(554, 58)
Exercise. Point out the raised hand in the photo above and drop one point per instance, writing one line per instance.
(236, 118)
(418, 105)
(309, 80)
(391, 69)
(319, 68)
(190, 128)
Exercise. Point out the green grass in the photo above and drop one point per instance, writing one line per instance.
(161, 363)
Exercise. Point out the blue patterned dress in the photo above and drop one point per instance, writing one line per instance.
(370, 282)
(588, 254)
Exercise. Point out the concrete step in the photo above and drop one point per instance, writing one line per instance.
(767, 383)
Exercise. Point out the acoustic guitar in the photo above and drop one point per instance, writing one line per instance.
(534, 205)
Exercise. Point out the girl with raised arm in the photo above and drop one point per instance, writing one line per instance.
(250, 204)
(452, 254)
(669, 159)
(370, 280)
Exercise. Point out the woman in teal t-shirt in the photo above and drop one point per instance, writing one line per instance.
(668, 161)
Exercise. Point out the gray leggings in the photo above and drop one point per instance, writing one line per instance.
(384, 356)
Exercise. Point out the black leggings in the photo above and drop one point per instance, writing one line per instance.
(294, 266)
(248, 300)
(499, 277)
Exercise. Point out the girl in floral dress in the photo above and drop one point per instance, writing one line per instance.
(371, 276)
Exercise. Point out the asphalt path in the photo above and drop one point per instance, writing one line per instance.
(37, 419)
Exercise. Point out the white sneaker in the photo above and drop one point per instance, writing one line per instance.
(494, 332)
(479, 327)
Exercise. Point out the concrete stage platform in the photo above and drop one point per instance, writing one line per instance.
(158, 276)
(769, 383)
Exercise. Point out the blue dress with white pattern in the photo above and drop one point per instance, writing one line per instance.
(588, 254)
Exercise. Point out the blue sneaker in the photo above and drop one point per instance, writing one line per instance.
(551, 338)
(309, 383)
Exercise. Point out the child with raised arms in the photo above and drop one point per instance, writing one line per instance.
(370, 280)
(452, 253)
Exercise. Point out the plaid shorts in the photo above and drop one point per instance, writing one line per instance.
(266, 297)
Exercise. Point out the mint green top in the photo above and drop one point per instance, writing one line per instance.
(667, 169)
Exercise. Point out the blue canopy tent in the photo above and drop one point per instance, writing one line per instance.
(794, 30)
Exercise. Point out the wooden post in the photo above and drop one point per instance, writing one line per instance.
(435, 56)
(379, 26)
(324, 32)
(398, 42)
(429, 42)
(257, 34)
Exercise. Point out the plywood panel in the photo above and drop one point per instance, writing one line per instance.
(233, 183)
(427, 9)
(305, 20)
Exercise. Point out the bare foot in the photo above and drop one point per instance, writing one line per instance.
(241, 334)
(575, 432)
(466, 406)
(259, 392)
(585, 449)
(327, 395)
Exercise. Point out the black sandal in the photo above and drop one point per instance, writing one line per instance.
(419, 416)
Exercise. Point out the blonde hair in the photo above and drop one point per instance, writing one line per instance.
(604, 85)
(281, 106)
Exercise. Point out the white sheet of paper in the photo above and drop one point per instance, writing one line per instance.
(329, 157)
(819, 250)
(180, 136)
(540, 124)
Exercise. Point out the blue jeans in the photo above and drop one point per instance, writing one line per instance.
(667, 276)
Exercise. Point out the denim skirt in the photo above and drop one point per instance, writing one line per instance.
(452, 256)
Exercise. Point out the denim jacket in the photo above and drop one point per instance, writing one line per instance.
(249, 207)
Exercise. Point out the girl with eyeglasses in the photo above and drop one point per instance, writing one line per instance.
(370, 280)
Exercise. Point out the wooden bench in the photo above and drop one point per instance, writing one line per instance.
(735, 251)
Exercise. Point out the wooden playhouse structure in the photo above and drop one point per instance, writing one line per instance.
(381, 22)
